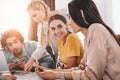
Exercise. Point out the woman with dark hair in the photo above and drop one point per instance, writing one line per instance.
(118, 36)
(70, 48)
(101, 58)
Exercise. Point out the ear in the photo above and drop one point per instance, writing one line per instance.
(83, 16)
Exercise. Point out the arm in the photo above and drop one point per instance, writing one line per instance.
(71, 62)
(46, 73)
(37, 54)
(47, 60)
(7, 76)
(95, 56)
(11, 65)
(73, 51)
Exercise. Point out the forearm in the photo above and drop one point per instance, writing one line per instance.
(2, 76)
(67, 66)
(53, 12)
(37, 54)
(32, 60)
(65, 70)
(71, 62)
(67, 75)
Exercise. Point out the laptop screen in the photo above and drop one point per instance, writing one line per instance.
(3, 63)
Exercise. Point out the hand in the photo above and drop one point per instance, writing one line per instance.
(9, 77)
(40, 69)
(28, 66)
(51, 13)
(21, 64)
(46, 73)
(11, 65)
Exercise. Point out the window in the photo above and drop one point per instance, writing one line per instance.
(13, 14)
(116, 16)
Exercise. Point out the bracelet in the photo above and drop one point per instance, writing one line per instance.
(62, 76)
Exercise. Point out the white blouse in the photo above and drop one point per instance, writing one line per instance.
(37, 54)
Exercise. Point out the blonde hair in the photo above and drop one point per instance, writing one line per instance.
(35, 4)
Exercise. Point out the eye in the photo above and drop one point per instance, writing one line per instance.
(16, 41)
(52, 29)
(59, 26)
(9, 44)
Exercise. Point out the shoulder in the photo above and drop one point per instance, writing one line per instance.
(30, 43)
(97, 27)
(73, 39)
(7, 52)
(72, 36)
(99, 31)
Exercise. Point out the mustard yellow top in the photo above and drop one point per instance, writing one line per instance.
(72, 47)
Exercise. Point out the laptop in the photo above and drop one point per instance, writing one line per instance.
(3, 63)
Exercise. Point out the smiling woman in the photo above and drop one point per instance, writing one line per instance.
(13, 15)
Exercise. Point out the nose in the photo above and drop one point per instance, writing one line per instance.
(14, 46)
(56, 31)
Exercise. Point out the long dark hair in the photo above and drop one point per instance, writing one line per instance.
(84, 13)
(57, 17)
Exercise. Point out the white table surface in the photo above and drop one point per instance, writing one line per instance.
(28, 76)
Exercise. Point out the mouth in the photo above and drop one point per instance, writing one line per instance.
(15, 50)
(59, 35)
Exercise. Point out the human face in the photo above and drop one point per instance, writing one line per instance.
(58, 29)
(14, 45)
(74, 26)
(37, 15)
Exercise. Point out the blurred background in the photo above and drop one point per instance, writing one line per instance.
(13, 14)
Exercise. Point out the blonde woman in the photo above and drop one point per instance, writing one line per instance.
(40, 13)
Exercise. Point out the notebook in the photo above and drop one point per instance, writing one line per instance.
(3, 63)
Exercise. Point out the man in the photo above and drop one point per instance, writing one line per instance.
(17, 52)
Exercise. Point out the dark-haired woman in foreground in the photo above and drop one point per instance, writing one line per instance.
(101, 59)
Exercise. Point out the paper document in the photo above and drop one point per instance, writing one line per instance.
(28, 76)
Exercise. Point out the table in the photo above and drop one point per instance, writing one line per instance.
(28, 76)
